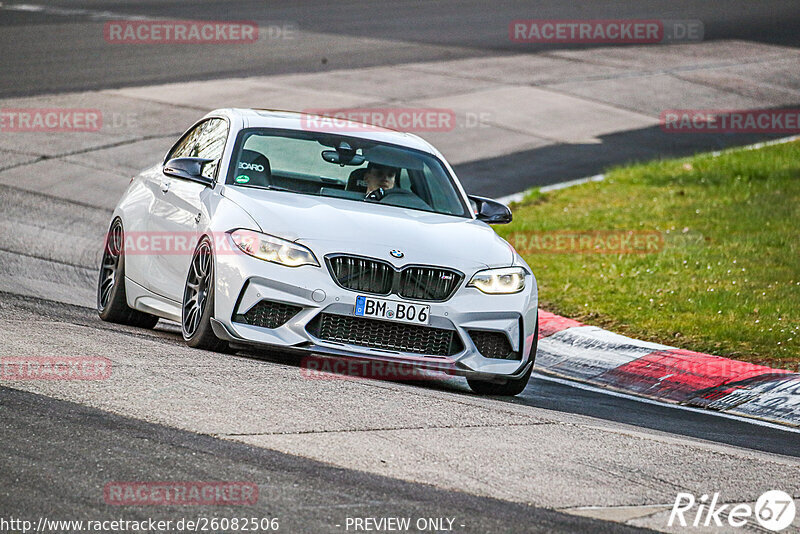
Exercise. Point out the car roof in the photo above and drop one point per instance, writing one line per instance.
(293, 120)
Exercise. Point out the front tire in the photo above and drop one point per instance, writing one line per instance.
(198, 301)
(112, 304)
(512, 386)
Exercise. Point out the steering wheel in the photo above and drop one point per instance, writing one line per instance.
(398, 196)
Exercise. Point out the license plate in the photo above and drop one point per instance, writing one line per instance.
(392, 310)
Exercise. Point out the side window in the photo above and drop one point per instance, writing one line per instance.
(187, 145)
(211, 144)
(442, 200)
(206, 140)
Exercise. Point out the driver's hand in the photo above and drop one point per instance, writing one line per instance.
(376, 195)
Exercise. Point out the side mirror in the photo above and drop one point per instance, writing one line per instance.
(189, 169)
(490, 211)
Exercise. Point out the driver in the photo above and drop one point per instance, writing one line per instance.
(379, 177)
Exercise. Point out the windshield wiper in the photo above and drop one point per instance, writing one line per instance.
(270, 187)
(278, 188)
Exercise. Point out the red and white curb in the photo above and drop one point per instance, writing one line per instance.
(590, 354)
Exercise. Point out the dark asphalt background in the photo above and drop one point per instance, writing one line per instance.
(363, 33)
(57, 457)
(36, 59)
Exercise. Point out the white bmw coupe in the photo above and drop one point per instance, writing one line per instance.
(262, 228)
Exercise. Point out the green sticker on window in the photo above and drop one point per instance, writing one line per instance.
(242, 179)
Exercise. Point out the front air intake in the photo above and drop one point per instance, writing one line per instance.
(268, 314)
(493, 345)
(393, 336)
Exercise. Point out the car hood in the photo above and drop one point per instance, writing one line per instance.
(329, 225)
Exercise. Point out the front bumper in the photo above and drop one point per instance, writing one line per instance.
(242, 282)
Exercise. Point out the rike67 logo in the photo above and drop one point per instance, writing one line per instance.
(774, 510)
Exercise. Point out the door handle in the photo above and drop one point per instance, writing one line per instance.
(165, 187)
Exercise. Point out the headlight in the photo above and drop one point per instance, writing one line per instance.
(499, 281)
(268, 248)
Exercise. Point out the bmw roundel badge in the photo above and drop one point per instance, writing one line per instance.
(396, 253)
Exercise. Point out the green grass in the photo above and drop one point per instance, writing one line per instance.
(726, 280)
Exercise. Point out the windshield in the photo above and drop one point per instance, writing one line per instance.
(343, 167)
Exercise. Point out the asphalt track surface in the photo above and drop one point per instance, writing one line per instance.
(59, 449)
(88, 446)
(58, 453)
(542, 393)
(335, 35)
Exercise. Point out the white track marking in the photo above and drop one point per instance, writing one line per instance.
(517, 197)
(756, 146)
(594, 389)
(72, 12)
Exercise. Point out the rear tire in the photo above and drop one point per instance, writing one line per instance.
(512, 386)
(112, 304)
(198, 301)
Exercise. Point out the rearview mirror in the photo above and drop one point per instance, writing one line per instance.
(490, 211)
(189, 169)
(332, 156)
